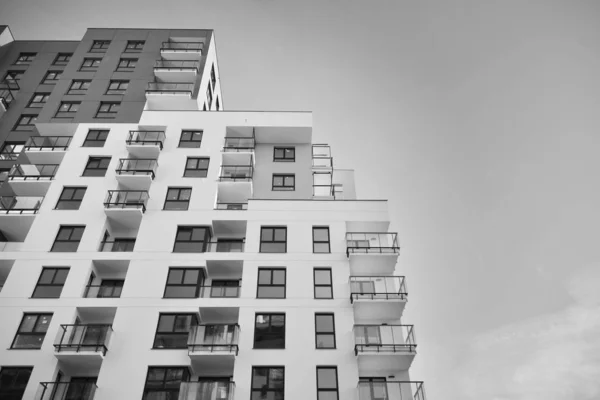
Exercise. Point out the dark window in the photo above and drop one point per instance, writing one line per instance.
(163, 383)
(13, 381)
(284, 182)
(327, 383)
(25, 58)
(62, 59)
(204, 107)
(271, 283)
(51, 282)
(127, 64)
(213, 76)
(134, 46)
(95, 138)
(192, 239)
(51, 77)
(90, 64)
(191, 139)
(68, 238)
(268, 383)
(108, 109)
(26, 122)
(273, 239)
(173, 330)
(217, 105)
(184, 283)
(321, 239)
(67, 109)
(38, 100)
(117, 87)
(79, 86)
(99, 46)
(111, 288)
(178, 198)
(323, 285)
(96, 166)
(32, 331)
(70, 198)
(196, 167)
(284, 154)
(13, 76)
(209, 95)
(11, 150)
(324, 331)
(269, 331)
(224, 288)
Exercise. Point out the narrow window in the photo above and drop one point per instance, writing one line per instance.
(217, 104)
(90, 64)
(178, 198)
(190, 139)
(134, 46)
(327, 383)
(269, 331)
(108, 109)
(268, 383)
(127, 64)
(13, 382)
(284, 154)
(96, 166)
(273, 239)
(25, 58)
(324, 331)
(117, 87)
(163, 383)
(173, 329)
(184, 283)
(26, 122)
(67, 109)
(321, 239)
(71, 198)
(50, 283)
(11, 150)
(38, 100)
(99, 46)
(271, 283)
(213, 76)
(323, 285)
(192, 239)
(196, 167)
(79, 86)
(68, 238)
(95, 138)
(62, 59)
(32, 331)
(284, 182)
(209, 96)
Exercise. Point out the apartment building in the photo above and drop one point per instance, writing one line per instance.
(195, 255)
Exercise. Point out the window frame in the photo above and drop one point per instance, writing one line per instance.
(316, 285)
(191, 141)
(32, 118)
(14, 390)
(315, 242)
(69, 113)
(4, 155)
(283, 158)
(197, 285)
(29, 58)
(73, 228)
(267, 375)
(325, 333)
(179, 190)
(72, 199)
(283, 187)
(205, 241)
(188, 170)
(173, 332)
(271, 284)
(59, 61)
(99, 160)
(33, 332)
(38, 104)
(224, 283)
(124, 64)
(135, 48)
(118, 90)
(95, 64)
(81, 82)
(269, 330)
(99, 46)
(13, 75)
(108, 114)
(55, 272)
(273, 228)
(337, 381)
(164, 386)
(97, 133)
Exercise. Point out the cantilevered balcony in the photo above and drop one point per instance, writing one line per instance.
(46, 149)
(17, 214)
(170, 96)
(206, 390)
(126, 206)
(31, 179)
(235, 173)
(220, 340)
(136, 173)
(390, 390)
(181, 50)
(176, 70)
(18, 205)
(372, 253)
(82, 346)
(377, 297)
(385, 347)
(239, 144)
(76, 390)
(145, 143)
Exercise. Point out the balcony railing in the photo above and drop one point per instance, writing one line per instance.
(137, 166)
(232, 206)
(146, 138)
(371, 339)
(102, 292)
(235, 173)
(182, 46)
(48, 143)
(6, 97)
(238, 144)
(67, 391)
(163, 87)
(35, 172)
(206, 390)
(377, 288)
(181, 65)
(226, 246)
(83, 337)
(20, 204)
(117, 245)
(371, 242)
(219, 291)
(127, 199)
(214, 338)
(391, 390)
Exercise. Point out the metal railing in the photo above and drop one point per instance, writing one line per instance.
(177, 64)
(163, 87)
(137, 166)
(219, 291)
(83, 337)
(391, 390)
(235, 173)
(36, 172)
(206, 390)
(127, 199)
(214, 338)
(182, 46)
(238, 144)
(371, 242)
(102, 292)
(117, 245)
(20, 204)
(146, 138)
(6, 97)
(377, 288)
(232, 206)
(384, 339)
(226, 246)
(48, 143)
(66, 391)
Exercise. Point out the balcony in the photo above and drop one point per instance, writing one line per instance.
(214, 340)
(66, 391)
(391, 390)
(384, 347)
(226, 246)
(20, 204)
(176, 71)
(8, 89)
(231, 206)
(239, 144)
(46, 149)
(117, 245)
(170, 96)
(216, 291)
(31, 179)
(136, 173)
(372, 253)
(235, 173)
(181, 50)
(377, 297)
(17, 214)
(126, 207)
(103, 291)
(145, 144)
(82, 345)
(207, 390)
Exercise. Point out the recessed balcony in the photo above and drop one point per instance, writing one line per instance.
(82, 346)
(126, 207)
(390, 390)
(31, 179)
(214, 341)
(170, 96)
(372, 253)
(226, 246)
(231, 206)
(117, 245)
(145, 143)
(206, 390)
(236, 173)
(46, 149)
(239, 145)
(384, 347)
(173, 50)
(176, 70)
(377, 297)
(76, 390)
(136, 173)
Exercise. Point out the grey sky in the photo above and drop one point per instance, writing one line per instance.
(479, 120)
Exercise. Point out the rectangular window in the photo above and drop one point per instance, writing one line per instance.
(117, 87)
(190, 139)
(268, 383)
(323, 284)
(192, 239)
(26, 122)
(52, 77)
(79, 86)
(70, 198)
(184, 283)
(269, 331)
(327, 383)
(271, 283)
(13, 382)
(163, 383)
(273, 239)
(284, 182)
(38, 100)
(90, 64)
(324, 331)
(62, 59)
(224, 288)
(321, 239)
(51, 283)
(173, 329)
(25, 58)
(11, 150)
(67, 109)
(127, 64)
(110, 288)
(108, 109)
(178, 198)
(134, 46)
(99, 46)
(12, 76)
(196, 167)
(284, 154)
(95, 138)
(68, 238)
(32, 331)
(96, 166)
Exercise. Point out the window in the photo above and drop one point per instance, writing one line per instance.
(163, 383)
(213, 76)
(224, 288)
(110, 288)
(79, 86)
(190, 139)
(38, 100)
(67, 109)
(184, 283)
(51, 283)
(108, 109)
(324, 331)
(273, 239)
(217, 103)
(134, 46)
(62, 59)
(284, 182)
(268, 383)
(271, 283)
(209, 96)
(173, 330)
(127, 64)
(178, 198)
(96, 166)
(13, 381)
(196, 167)
(32, 331)
(25, 58)
(117, 87)
(192, 239)
(51, 77)
(284, 154)
(95, 138)
(327, 383)
(323, 285)
(68, 238)
(99, 46)
(11, 150)
(269, 331)
(321, 239)
(13, 76)
(26, 122)
(70, 198)
(90, 64)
